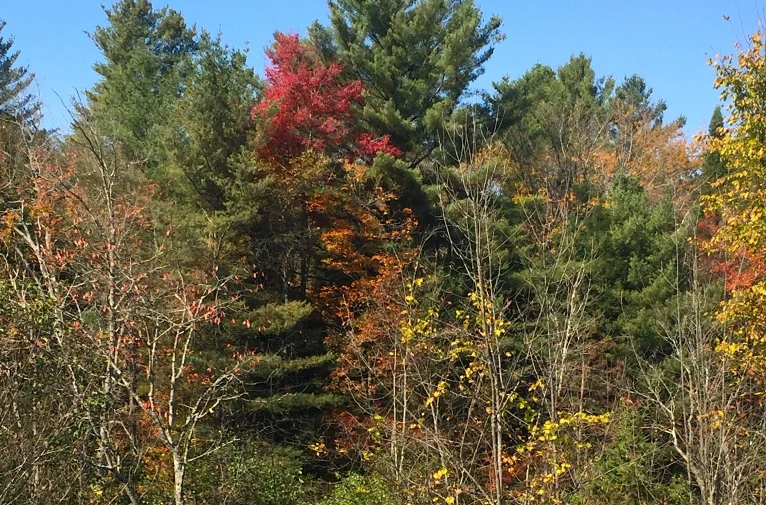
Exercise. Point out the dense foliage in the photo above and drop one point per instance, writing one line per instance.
(342, 284)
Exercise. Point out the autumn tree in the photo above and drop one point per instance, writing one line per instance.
(734, 245)
(142, 377)
(737, 201)
(314, 109)
(313, 214)
(300, 126)
(41, 419)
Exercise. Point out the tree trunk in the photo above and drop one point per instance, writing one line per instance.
(179, 468)
(306, 250)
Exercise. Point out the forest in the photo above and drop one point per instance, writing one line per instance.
(353, 281)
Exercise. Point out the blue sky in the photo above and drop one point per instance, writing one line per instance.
(665, 41)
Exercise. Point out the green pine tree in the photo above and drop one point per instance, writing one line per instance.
(416, 58)
(635, 93)
(210, 123)
(713, 167)
(16, 100)
(143, 51)
(546, 118)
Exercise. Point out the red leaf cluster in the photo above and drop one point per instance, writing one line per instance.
(739, 271)
(307, 106)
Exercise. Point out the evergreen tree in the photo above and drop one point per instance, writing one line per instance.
(19, 133)
(416, 58)
(551, 121)
(179, 104)
(639, 269)
(15, 98)
(143, 52)
(209, 125)
(635, 468)
(633, 92)
(713, 167)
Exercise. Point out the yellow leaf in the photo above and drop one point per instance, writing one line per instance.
(440, 474)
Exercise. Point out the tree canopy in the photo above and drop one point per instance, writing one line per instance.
(357, 279)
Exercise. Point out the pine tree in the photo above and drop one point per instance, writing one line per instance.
(15, 98)
(713, 167)
(417, 59)
(209, 124)
(143, 51)
(634, 92)
(552, 121)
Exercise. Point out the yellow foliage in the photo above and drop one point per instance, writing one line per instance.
(739, 202)
(440, 474)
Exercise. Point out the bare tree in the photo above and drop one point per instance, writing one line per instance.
(706, 402)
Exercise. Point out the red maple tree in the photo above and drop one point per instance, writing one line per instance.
(307, 106)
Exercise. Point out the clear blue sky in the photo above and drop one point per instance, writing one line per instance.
(665, 41)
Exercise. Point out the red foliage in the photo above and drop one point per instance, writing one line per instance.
(308, 107)
(740, 271)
